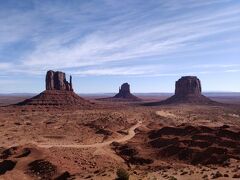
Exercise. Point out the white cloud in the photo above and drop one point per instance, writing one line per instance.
(118, 38)
(128, 70)
(216, 65)
(17, 26)
(232, 70)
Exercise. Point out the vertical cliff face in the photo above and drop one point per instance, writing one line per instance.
(50, 80)
(125, 89)
(188, 86)
(57, 81)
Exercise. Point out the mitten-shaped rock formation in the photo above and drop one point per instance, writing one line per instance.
(187, 90)
(124, 91)
(59, 92)
(125, 94)
(57, 81)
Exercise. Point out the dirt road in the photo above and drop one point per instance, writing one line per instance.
(130, 135)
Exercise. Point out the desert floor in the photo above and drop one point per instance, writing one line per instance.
(162, 142)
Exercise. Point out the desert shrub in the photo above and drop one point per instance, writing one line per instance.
(122, 174)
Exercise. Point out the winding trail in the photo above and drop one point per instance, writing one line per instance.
(130, 135)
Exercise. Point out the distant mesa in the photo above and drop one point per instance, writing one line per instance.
(124, 94)
(188, 86)
(59, 92)
(187, 90)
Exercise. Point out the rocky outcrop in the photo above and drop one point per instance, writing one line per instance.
(58, 93)
(188, 86)
(57, 98)
(57, 81)
(125, 94)
(124, 91)
(187, 90)
(196, 144)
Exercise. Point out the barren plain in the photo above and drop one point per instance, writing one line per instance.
(154, 142)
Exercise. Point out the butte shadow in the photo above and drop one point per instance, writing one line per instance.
(59, 93)
(188, 90)
(124, 95)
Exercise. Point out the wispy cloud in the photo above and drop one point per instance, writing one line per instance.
(90, 35)
(232, 70)
(216, 65)
(176, 5)
(5, 66)
(128, 70)
(158, 70)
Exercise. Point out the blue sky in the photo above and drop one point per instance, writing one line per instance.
(104, 43)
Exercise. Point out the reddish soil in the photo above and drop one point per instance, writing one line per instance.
(197, 145)
(91, 142)
(53, 98)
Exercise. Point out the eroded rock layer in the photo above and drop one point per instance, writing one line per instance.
(56, 98)
(59, 92)
(197, 145)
